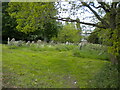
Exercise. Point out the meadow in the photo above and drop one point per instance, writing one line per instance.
(57, 66)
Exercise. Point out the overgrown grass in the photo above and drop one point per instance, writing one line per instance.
(45, 47)
(91, 52)
(51, 67)
(107, 77)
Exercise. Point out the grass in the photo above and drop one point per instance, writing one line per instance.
(107, 77)
(88, 52)
(49, 67)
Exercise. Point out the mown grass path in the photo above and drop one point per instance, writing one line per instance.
(23, 67)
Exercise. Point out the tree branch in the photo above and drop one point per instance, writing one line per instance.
(71, 20)
(95, 13)
(92, 4)
(104, 6)
(96, 7)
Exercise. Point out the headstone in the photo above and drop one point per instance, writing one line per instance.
(12, 41)
(8, 41)
(39, 41)
(67, 43)
(33, 42)
(28, 43)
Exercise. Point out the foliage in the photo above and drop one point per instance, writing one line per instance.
(96, 37)
(107, 77)
(93, 38)
(68, 34)
(51, 29)
(110, 36)
(9, 24)
(34, 17)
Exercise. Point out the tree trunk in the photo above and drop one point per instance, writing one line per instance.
(112, 20)
(113, 59)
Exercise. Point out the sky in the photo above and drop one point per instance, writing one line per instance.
(81, 14)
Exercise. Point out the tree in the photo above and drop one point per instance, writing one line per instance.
(34, 17)
(8, 25)
(110, 25)
(50, 30)
(68, 34)
(96, 37)
(93, 38)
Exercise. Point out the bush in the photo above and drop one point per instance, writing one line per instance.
(94, 38)
(107, 77)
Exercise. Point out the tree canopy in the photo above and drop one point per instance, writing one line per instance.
(9, 25)
(33, 17)
(68, 34)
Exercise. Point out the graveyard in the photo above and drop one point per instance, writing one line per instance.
(60, 44)
(49, 65)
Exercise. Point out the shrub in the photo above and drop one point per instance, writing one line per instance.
(107, 77)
